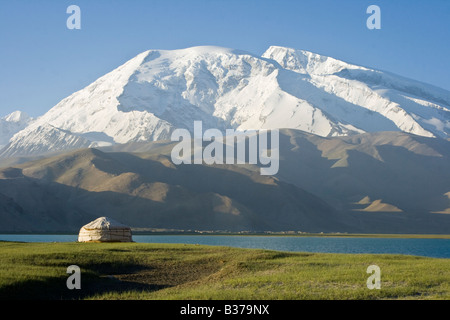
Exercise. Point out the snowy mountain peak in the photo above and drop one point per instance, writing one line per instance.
(307, 62)
(377, 91)
(11, 124)
(17, 117)
(197, 51)
(160, 90)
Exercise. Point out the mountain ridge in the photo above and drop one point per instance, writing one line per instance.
(157, 91)
(144, 190)
(382, 182)
(11, 124)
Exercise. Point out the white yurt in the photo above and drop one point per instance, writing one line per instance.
(105, 229)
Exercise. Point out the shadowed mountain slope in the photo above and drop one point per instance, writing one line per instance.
(385, 182)
(143, 190)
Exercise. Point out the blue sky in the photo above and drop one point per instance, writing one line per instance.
(42, 62)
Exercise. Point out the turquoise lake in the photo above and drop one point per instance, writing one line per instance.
(438, 248)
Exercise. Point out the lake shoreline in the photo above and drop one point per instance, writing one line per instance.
(417, 246)
(259, 234)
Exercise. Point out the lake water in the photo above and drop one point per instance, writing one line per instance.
(438, 248)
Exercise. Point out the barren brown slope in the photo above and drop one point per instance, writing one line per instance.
(147, 190)
(318, 187)
(407, 172)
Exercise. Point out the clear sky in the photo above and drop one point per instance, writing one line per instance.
(42, 61)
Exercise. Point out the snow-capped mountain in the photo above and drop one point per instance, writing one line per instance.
(11, 124)
(161, 90)
(409, 105)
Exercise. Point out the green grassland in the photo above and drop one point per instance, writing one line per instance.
(176, 271)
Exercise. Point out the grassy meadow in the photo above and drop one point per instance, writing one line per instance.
(175, 271)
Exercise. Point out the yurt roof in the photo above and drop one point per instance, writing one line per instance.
(103, 223)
